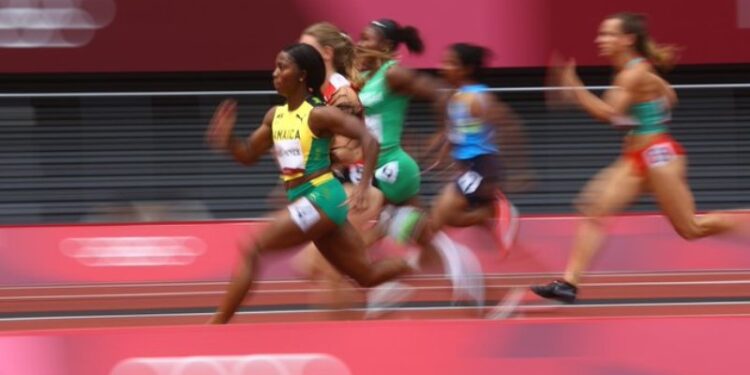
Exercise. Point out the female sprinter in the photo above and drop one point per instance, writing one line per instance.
(473, 116)
(337, 50)
(385, 95)
(300, 132)
(651, 159)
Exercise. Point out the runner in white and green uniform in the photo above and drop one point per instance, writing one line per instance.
(385, 96)
(397, 174)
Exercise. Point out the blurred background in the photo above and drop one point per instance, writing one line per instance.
(114, 214)
(102, 116)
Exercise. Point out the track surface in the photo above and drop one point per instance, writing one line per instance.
(709, 293)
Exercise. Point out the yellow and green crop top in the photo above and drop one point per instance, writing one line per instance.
(298, 151)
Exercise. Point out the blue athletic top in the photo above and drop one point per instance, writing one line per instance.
(469, 135)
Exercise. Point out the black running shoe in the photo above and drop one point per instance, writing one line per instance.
(560, 290)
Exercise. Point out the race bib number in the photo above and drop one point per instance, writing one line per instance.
(303, 213)
(469, 182)
(659, 155)
(374, 125)
(289, 155)
(387, 173)
(355, 173)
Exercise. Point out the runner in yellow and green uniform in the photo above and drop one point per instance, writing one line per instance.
(300, 133)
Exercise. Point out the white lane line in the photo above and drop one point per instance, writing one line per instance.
(491, 276)
(550, 307)
(82, 94)
(320, 290)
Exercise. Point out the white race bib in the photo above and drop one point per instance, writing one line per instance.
(303, 213)
(387, 173)
(469, 182)
(659, 155)
(355, 173)
(374, 125)
(289, 154)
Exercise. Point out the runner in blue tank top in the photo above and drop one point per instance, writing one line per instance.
(476, 123)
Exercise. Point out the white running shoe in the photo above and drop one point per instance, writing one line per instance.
(508, 306)
(385, 297)
(463, 268)
(470, 286)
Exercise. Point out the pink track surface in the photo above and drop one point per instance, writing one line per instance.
(198, 252)
(626, 345)
(637, 316)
